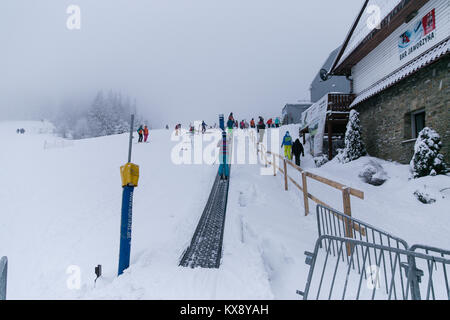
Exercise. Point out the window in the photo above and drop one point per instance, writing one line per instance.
(417, 123)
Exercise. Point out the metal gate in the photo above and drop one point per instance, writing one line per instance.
(334, 223)
(401, 279)
(360, 261)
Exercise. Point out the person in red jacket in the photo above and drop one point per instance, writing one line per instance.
(269, 123)
(145, 133)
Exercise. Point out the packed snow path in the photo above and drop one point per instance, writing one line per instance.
(205, 250)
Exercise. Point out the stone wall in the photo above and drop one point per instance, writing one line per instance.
(386, 117)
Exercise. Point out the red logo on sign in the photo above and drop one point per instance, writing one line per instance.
(429, 22)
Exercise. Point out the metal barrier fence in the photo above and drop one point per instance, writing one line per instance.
(3, 277)
(438, 270)
(334, 223)
(399, 280)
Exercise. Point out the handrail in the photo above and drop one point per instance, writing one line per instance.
(346, 191)
(339, 186)
(354, 192)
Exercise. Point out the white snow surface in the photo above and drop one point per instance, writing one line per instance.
(60, 206)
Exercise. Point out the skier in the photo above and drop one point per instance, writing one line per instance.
(287, 143)
(203, 127)
(230, 125)
(140, 131)
(261, 128)
(277, 122)
(18, 131)
(224, 169)
(230, 117)
(297, 149)
(269, 123)
(252, 123)
(145, 133)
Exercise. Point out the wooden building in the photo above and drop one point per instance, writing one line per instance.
(330, 116)
(400, 73)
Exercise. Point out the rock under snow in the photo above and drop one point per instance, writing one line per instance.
(373, 173)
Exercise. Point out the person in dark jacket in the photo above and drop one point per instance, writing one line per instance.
(140, 132)
(297, 149)
(261, 127)
(230, 125)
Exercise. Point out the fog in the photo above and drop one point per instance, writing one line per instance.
(181, 60)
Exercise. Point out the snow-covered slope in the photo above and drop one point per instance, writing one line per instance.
(60, 206)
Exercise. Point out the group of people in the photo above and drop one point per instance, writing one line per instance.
(291, 149)
(243, 124)
(21, 131)
(143, 133)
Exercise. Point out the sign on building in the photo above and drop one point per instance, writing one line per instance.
(314, 118)
(420, 34)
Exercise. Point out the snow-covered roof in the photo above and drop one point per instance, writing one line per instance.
(362, 29)
(421, 61)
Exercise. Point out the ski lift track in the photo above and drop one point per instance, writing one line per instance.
(205, 250)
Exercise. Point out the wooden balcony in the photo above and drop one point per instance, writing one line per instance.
(339, 102)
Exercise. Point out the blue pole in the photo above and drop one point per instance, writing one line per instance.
(125, 228)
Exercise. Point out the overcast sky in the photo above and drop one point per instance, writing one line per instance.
(181, 59)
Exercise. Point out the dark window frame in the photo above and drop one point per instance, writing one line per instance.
(414, 116)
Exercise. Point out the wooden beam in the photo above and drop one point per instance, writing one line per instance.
(305, 193)
(337, 185)
(330, 140)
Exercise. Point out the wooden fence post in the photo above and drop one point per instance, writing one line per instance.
(305, 193)
(265, 158)
(285, 175)
(348, 212)
(274, 165)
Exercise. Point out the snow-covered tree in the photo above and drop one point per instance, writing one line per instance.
(96, 117)
(354, 147)
(427, 160)
(108, 114)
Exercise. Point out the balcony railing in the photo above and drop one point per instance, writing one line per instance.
(339, 102)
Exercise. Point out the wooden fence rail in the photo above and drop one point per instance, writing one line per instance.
(346, 191)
